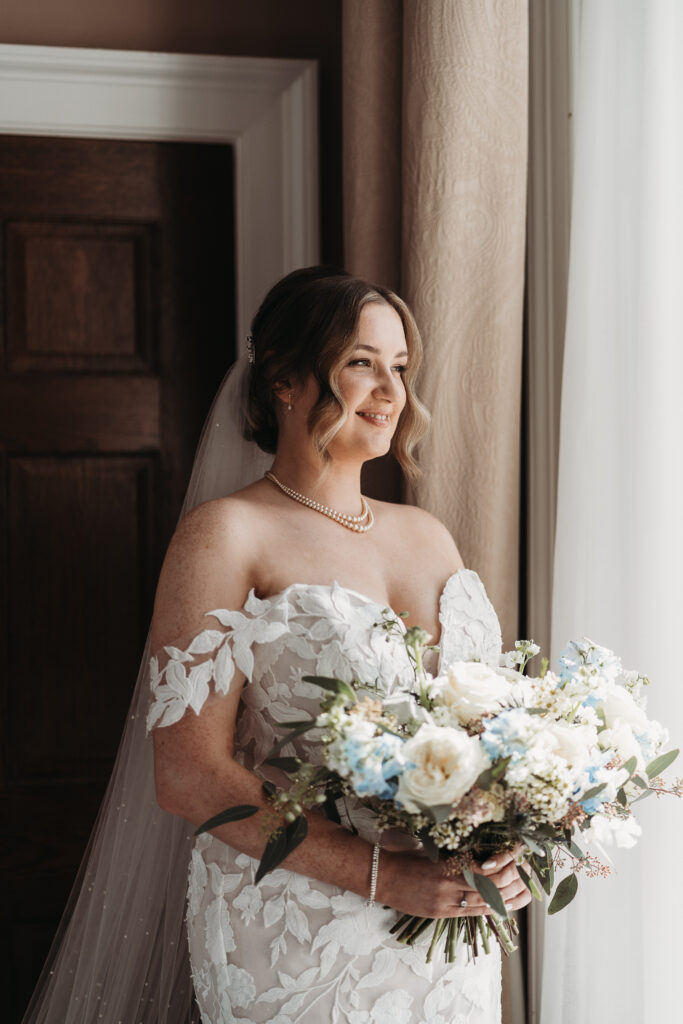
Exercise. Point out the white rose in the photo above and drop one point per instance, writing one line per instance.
(470, 689)
(620, 738)
(574, 743)
(447, 763)
(619, 706)
(607, 830)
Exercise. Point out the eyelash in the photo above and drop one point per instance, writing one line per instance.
(401, 368)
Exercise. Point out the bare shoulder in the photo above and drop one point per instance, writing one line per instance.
(423, 531)
(208, 564)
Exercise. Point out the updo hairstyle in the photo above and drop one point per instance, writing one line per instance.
(307, 324)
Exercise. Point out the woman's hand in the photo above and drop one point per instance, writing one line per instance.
(413, 885)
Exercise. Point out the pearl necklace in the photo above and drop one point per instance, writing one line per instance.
(355, 523)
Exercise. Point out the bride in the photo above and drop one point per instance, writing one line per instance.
(279, 579)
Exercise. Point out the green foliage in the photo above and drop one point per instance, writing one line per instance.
(590, 793)
(231, 814)
(487, 889)
(529, 883)
(280, 844)
(294, 729)
(493, 774)
(564, 894)
(286, 764)
(337, 686)
(657, 766)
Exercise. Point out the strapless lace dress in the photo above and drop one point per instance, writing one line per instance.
(293, 950)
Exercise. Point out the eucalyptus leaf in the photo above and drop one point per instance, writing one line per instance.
(630, 765)
(643, 795)
(657, 766)
(533, 845)
(286, 764)
(468, 876)
(440, 812)
(564, 894)
(540, 866)
(639, 781)
(331, 810)
(337, 686)
(430, 847)
(621, 797)
(488, 890)
(231, 814)
(298, 729)
(492, 774)
(280, 844)
(299, 723)
(529, 883)
(590, 793)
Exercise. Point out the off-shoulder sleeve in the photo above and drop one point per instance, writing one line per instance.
(181, 676)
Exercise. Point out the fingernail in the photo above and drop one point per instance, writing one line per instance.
(489, 864)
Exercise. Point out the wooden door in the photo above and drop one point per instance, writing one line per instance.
(117, 296)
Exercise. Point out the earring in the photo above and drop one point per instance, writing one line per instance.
(289, 402)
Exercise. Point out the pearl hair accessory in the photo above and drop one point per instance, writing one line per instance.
(359, 524)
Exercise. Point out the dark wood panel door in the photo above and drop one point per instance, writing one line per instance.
(117, 296)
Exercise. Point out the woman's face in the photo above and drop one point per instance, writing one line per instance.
(372, 385)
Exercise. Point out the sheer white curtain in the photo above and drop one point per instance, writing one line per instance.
(614, 954)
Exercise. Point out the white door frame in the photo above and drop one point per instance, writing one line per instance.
(267, 109)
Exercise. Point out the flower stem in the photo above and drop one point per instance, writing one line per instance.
(502, 934)
(439, 927)
(484, 930)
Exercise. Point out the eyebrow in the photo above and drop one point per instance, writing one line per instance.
(369, 348)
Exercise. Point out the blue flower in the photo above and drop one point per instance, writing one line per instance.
(507, 735)
(594, 775)
(578, 653)
(375, 764)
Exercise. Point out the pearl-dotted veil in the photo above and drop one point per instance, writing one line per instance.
(120, 954)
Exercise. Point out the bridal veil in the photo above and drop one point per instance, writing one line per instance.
(120, 954)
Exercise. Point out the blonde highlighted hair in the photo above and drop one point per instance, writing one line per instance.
(308, 323)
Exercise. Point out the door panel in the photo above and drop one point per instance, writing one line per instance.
(117, 299)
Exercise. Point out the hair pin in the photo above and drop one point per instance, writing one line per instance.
(250, 348)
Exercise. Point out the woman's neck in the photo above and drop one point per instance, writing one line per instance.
(333, 484)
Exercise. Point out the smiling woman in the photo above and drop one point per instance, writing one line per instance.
(262, 586)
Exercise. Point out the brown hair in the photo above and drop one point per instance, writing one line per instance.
(307, 324)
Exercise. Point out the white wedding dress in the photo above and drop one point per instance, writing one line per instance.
(293, 950)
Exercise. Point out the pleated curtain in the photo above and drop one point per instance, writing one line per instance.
(435, 172)
(435, 160)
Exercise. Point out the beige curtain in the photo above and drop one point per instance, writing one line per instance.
(435, 173)
(435, 163)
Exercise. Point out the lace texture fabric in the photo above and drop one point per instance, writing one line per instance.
(293, 950)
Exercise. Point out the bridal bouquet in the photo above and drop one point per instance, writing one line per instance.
(479, 760)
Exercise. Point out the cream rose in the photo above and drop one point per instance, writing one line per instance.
(619, 706)
(470, 689)
(620, 738)
(574, 743)
(447, 763)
